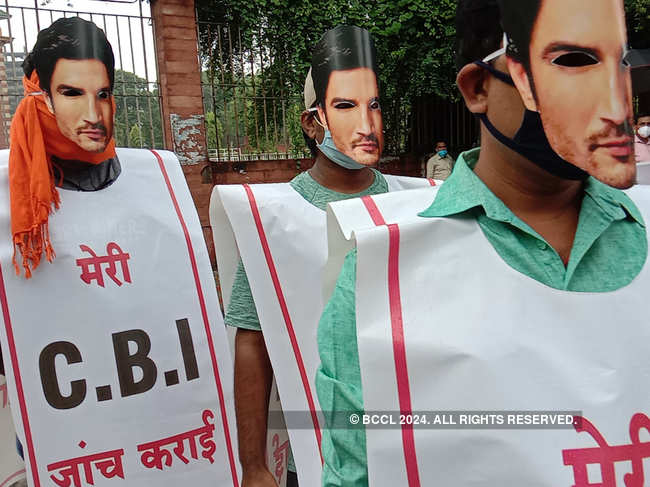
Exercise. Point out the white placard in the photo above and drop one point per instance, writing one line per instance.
(445, 325)
(116, 353)
(281, 238)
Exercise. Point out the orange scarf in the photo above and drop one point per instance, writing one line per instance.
(35, 138)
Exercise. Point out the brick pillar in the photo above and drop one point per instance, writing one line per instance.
(182, 101)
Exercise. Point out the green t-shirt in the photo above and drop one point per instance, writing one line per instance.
(609, 250)
(241, 312)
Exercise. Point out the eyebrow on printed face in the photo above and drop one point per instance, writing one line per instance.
(61, 88)
(351, 101)
(557, 47)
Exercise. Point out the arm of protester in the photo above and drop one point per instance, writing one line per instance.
(338, 383)
(253, 377)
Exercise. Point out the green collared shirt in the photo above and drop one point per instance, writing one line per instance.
(609, 250)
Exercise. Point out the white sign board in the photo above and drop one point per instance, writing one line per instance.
(116, 353)
(485, 376)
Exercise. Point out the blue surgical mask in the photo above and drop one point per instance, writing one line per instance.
(328, 148)
(442, 153)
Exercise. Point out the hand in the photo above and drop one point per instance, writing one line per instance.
(259, 478)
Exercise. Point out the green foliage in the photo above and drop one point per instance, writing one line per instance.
(138, 112)
(135, 136)
(638, 23)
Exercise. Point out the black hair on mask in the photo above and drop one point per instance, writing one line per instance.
(68, 38)
(518, 21)
(342, 48)
(478, 30)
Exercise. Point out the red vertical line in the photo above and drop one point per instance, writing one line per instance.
(285, 313)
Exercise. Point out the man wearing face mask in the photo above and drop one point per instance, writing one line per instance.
(642, 138)
(549, 259)
(439, 165)
(275, 297)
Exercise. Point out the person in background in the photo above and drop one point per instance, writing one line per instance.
(439, 165)
(342, 126)
(642, 138)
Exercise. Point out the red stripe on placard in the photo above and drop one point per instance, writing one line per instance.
(285, 313)
(432, 181)
(399, 349)
(206, 322)
(373, 211)
(399, 352)
(19, 383)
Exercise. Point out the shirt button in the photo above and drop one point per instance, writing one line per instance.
(541, 245)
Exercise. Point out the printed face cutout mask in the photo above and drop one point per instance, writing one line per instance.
(578, 82)
(349, 107)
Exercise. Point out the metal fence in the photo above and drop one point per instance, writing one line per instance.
(250, 111)
(138, 121)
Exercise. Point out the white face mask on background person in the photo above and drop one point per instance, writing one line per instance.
(644, 131)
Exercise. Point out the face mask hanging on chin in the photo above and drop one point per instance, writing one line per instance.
(328, 148)
(530, 141)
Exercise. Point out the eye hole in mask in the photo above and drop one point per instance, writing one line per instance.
(575, 60)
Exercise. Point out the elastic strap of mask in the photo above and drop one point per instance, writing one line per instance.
(485, 62)
(500, 75)
(557, 166)
(314, 110)
(496, 133)
(498, 52)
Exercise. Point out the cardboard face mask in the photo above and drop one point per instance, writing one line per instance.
(567, 59)
(345, 80)
(80, 99)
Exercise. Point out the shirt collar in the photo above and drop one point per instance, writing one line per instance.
(639, 140)
(463, 190)
(612, 201)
